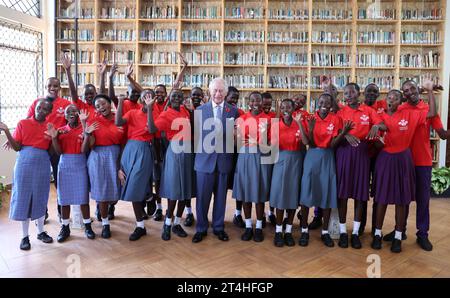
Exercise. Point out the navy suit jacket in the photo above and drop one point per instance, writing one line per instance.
(209, 162)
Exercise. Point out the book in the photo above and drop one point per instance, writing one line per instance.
(158, 35)
(422, 14)
(375, 60)
(118, 35)
(331, 14)
(244, 36)
(117, 12)
(201, 35)
(159, 12)
(330, 59)
(148, 57)
(428, 59)
(246, 58)
(383, 82)
(288, 82)
(283, 37)
(244, 12)
(245, 81)
(288, 14)
(194, 11)
(379, 36)
(116, 56)
(343, 36)
(290, 58)
(421, 37)
(374, 12)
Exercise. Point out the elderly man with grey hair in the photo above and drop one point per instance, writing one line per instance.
(213, 163)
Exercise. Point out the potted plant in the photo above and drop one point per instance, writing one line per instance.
(440, 182)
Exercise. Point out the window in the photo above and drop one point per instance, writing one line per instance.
(22, 71)
(31, 7)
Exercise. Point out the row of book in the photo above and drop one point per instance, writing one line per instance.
(116, 56)
(85, 57)
(330, 59)
(419, 79)
(119, 79)
(376, 13)
(201, 35)
(421, 37)
(244, 36)
(383, 82)
(288, 82)
(198, 80)
(246, 58)
(83, 35)
(158, 12)
(344, 36)
(375, 60)
(430, 59)
(290, 58)
(339, 81)
(332, 14)
(118, 35)
(204, 57)
(283, 37)
(420, 14)
(193, 11)
(153, 80)
(159, 57)
(288, 14)
(244, 12)
(158, 35)
(245, 81)
(117, 13)
(83, 78)
(376, 37)
(84, 13)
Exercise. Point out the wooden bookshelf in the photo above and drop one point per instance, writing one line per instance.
(290, 29)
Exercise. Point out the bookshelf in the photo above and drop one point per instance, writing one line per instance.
(281, 46)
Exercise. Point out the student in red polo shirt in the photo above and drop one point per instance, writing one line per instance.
(300, 101)
(31, 181)
(394, 171)
(352, 161)
(421, 153)
(324, 132)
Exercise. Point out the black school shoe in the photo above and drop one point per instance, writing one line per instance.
(63, 234)
(158, 215)
(189, 221)
(376, 242)
(166, 233)
(389, 237)
(88, 231)
(259, 236)
(248, 234)
(238, 221)
(278, 240)
(304, 239)
(315, 224)
(343, 240)
(178, 230)
(424, 243)
(25, 244)
(106, 232)
(44, 237)
(355, 242)
(138, 233)
(288, 239)
(396, 246)
(326, 239)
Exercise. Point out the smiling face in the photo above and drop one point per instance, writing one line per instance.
(324, 104)
(393, 100)
(160, 94)
(267, 104)
(351, 95)
(371, 94)
(133, 95)
(176, 99)
(255, 103)
(286, 109)
(299, 101)
(197, 96)
(71, 114)
(42, 110)
(103, 107)
(53, 87)
(218, 91)
(89, 94)
(232, 98)
(411, 92)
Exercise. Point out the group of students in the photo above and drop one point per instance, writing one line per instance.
(375, 148)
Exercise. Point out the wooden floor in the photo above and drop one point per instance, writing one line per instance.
(179, 257)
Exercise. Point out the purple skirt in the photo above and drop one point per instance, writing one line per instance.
(394, 178)
(353, 171)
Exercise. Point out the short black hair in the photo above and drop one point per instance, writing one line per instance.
(266, 95)
(161, 85)
(288, 100)
(408, 81)
(255, 93)
(232, 89)
(357, 88)
(104, 96)
(395, 91)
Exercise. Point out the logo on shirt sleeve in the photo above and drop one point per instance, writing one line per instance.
(330, 129)
(403, 124)
(364, 119)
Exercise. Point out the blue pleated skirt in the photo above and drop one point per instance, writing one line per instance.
(178, 177)
(286, 180)
(251, 178)
(31, 184)
(319, 179)
(103, 165)
(73, 181)
(137, 163)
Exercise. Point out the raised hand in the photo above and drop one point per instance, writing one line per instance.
(348, 125)
(83, 115)
(298, 117)
(129, 70)
(6, 146)
(149, 100)
(65, 60)
(51, 131)
(3, 126)
(188, 104)
(113, 70)
(183, 60)
(428, 83)
(102, 67)
(91, 128)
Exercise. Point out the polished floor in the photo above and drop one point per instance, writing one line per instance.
(179, 257)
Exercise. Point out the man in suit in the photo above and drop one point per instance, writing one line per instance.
(213, 126)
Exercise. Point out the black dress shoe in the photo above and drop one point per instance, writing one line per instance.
(111, 210)
(389, 237)
(278, 239)
(189, 221)
(326, 239)
(44, 237)
(315, 224)
(304, 239)
(166, 233)
(238, 221)
(343, 240)
(376, 242)
(158, 215)
(97, 213)
(198, 237)
(272, 220)
(288, 239)
(424, 243)
(248, 234)
(25, 244)
(259, 236)
(106, 232)
(138, 233)
(178, 230)
(355, 242)
(63, 234)
(222, 235)
(88, 231)
(396, 246)
(151, 207)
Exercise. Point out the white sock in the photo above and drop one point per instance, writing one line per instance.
(140, 224)
(278, 229)
(343, 228)
(168, 221)
(356, 225)
(324, 232)
(288, 229)
(259, 224)
(158, 206)
(378, 232)
(25, 227)
(177, 221)
(304, 230)
(398, 235)
(188, 210)
(40, 224)
(248, 223)
(237, 212)
(105, 221)
(65, 222)
(87, 221)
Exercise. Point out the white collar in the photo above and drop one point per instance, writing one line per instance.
(214, 105)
